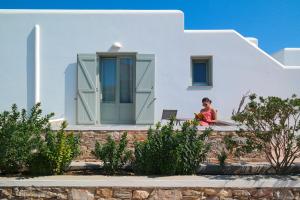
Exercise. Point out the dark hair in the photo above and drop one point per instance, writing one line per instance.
(205, 99)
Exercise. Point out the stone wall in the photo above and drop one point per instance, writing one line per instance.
(147, 193)
(88, 139)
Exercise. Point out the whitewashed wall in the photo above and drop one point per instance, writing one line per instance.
(238, 66)
(288, 56)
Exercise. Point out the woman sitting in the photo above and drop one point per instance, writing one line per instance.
(207, 115)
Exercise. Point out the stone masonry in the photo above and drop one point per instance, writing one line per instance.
(111, 193)
(89, 138)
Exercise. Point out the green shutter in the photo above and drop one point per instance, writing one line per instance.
(144, 108)
(86, 88)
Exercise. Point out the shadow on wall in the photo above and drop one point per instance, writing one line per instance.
(70, 93)
(30, 70)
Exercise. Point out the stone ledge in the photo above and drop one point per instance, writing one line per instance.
(218, 181)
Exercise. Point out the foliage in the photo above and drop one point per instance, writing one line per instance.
(270, 125)
(39, 165)
(191, 147)
(230, 143)
(113, 155)
(222, 156)
(20, 136)
(56, 153)
(167, 151)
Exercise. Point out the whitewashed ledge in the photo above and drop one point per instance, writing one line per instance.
(220, 181)
(134, 128)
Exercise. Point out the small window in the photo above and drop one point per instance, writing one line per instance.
(201, 72)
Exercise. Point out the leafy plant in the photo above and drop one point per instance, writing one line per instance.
(20, 136)
(222, 156)
(230, 143)
(167, 151)
(40, 165)
(113, 155)
(56, 153)
(191, 147)
(270, 125)
(157, 155)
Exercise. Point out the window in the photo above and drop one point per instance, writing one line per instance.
(109, 79)
(201, 71)
(126, 80)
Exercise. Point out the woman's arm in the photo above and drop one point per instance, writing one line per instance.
(214, 115)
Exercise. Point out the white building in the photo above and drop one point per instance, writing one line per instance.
(131, 65)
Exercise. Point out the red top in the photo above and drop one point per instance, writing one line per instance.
(208, 117)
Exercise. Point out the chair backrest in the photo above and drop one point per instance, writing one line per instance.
(167, 114)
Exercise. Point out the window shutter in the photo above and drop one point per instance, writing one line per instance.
(86, 88)
(144, 108)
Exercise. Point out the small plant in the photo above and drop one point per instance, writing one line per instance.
(167, 151)
(270, 126)
(230, 143)
(192, 147)
(20, 136)
(157, 155)
(56, 153)
(222, 156)
(113, 155)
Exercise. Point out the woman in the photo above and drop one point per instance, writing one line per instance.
(207, 115)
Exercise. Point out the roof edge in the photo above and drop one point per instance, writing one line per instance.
(209, 31)
(74, 11)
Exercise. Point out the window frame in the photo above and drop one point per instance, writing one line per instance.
(208, 60)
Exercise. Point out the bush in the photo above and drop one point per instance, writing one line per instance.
(270, 125)
(20, 136)
(222, 156)
(56, 153)
(230, 143)
(113, 155)
(39, 165)
(167, 151)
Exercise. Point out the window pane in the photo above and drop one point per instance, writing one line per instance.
(200, 73)
(108, 79)
(126, 80)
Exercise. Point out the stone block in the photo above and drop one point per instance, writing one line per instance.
(191, 193)
(211, 191)
(224, 193)
(122, 193)
(241, 193)
(5, 193)
(104, 192)
(162, 194)
(140, 194)
(283, 194)
(81, 194)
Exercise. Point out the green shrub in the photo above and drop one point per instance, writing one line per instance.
(230, 143)
(270, 126)
(20, 136)
(39, 165)
(113, 155)
(56, 153)
(167, 151)
(192, 148)
(222, 156)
